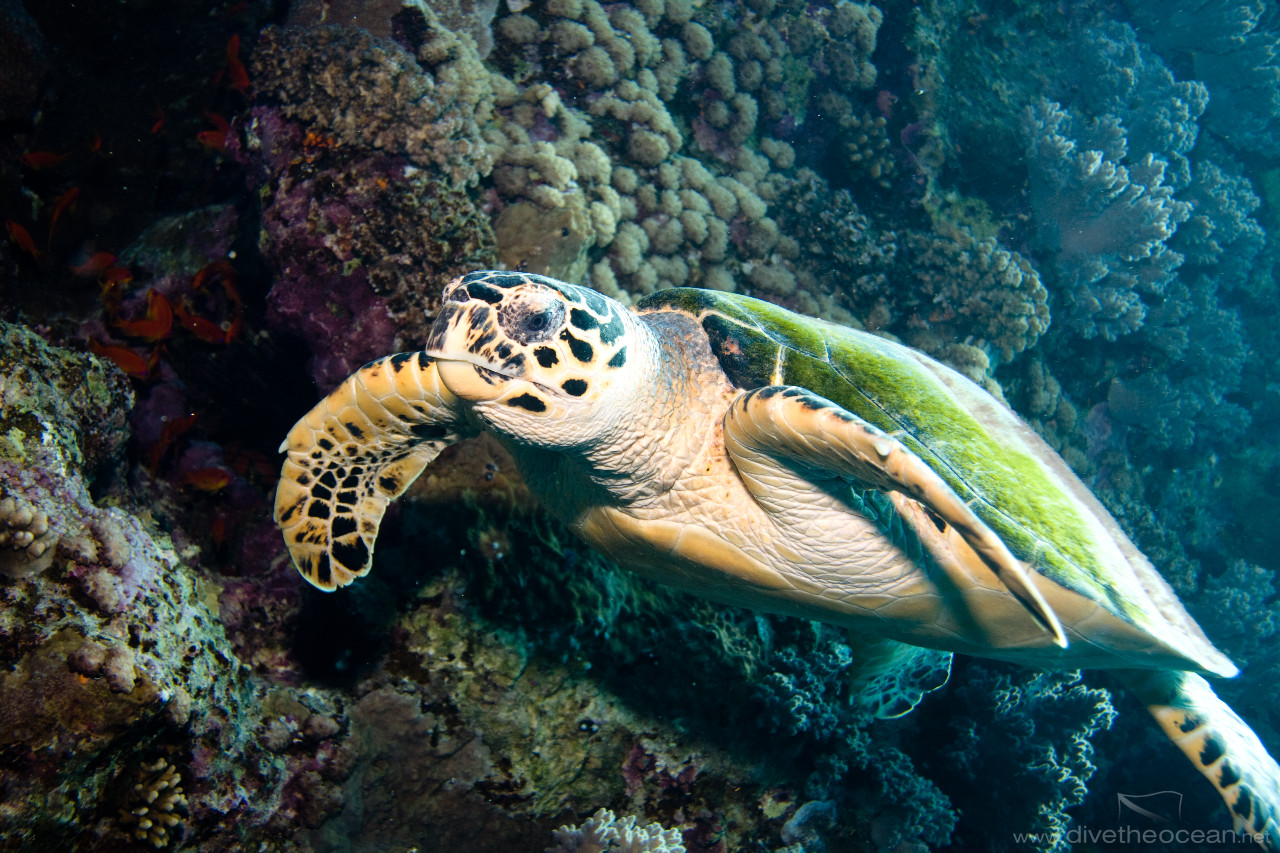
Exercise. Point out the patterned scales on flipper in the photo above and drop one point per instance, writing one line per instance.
(354, 453)
(1220, 744)
(889, 678)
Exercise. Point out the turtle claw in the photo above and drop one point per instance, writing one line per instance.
(359, 449)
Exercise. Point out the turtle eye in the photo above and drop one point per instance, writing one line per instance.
(530, 321)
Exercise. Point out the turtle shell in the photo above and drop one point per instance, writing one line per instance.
(997, 464)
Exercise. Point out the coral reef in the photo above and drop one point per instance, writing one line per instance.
(1106, 224)
(877, 165)
(156, 805)
(1051, 770)
(604, 831)
(1231, 47)
(26, 541)
(373, 215)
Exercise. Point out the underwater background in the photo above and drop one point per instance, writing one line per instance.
(215, 211)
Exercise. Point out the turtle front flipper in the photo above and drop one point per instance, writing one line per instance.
(354, 453)
(1220, 744)
(796, 424)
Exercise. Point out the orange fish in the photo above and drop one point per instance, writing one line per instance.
(157, 324)
(112, 276)
(215, 139)
(130, 361)
(65, 201)
(173, 430)
(161, 118)
(95, 143)
(237, 76)
(41, 159)
(217, 270)
(207, 479)
(97, 262)
(218, 532)
(22, 237)
(224, 274)
(203, 328)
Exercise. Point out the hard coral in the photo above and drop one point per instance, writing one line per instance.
(367, 221)
(973, 290)
(155, 806)
(604, 832)
(26, 542)
(1105, 223)
(374, 95)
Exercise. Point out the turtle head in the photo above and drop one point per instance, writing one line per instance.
(538, 360)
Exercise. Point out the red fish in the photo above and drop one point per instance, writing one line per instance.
(112, 276)
(161, 118)
(218, 532)
(97, 262)
(223, 273)
(156, 325)
(207, 479)
(202, 327)
(237, 76)
(41, 159)
(215, 139)
(64, 202)
(173, 430)
(22, 237)
(130, 361)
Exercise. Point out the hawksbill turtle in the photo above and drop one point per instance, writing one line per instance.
(747, 454)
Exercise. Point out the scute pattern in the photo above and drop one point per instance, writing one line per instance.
(996, 472)
(354, 453)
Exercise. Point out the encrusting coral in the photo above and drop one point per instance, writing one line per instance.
(375, 211)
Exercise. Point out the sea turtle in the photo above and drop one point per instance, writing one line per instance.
(758, 457)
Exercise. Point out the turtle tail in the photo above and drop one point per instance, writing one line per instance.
(1220, 744)
(354, 453)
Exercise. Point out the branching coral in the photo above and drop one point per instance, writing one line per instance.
(1105, 223)
(1222, 233)
(1231, 46)
(155, 806)
(1041, 763)
(604, 832)
(1118, 71)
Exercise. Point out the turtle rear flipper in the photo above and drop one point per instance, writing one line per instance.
(354, 453)
(1220, 744)
(795, 423)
